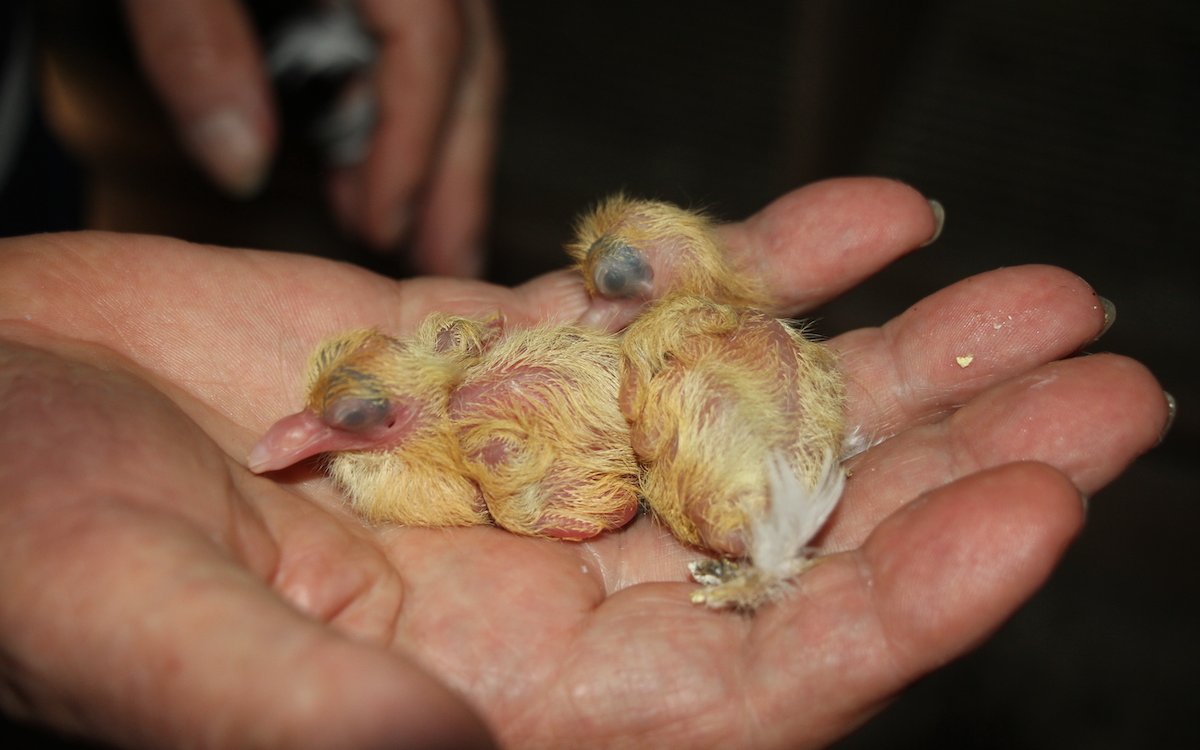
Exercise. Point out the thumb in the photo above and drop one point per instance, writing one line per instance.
(171, 639)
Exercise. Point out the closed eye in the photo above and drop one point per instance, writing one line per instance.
(619, 270)
(354, 414)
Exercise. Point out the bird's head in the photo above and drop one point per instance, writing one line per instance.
(365, 391)
(629, 249)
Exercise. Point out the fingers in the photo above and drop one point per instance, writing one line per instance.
(824, 238)
(983, 347)
(264, 312)
(556, 296)
(806, 247)
(929, 584)
(449, 237)
(962, 339)
(204, 63)
(1089, 417)
(420, 44)
(114, 500)
(150, 677)
(951, 568)
(431, 151)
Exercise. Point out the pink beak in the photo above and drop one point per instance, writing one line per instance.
(295, 438)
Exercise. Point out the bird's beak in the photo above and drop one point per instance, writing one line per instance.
(295, 438)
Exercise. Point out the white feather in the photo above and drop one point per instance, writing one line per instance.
(796, 513)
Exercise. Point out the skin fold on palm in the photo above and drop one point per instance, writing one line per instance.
(136, 373)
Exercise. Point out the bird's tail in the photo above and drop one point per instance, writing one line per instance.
(777, 550)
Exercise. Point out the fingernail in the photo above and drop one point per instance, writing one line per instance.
(939, 221)
(1110, 314)
(1171, 407)
(231, 150)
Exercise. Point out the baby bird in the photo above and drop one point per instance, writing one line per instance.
(379, 406)
(540, 431)
(464, 424)
(736, 417)
(633, 251)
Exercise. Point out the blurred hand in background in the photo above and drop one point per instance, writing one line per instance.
(435, 80)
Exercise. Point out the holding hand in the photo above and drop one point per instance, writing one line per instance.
(154, 589)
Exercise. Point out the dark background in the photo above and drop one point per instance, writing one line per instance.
(1053, 131)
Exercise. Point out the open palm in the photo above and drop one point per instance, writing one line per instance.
(154, 589)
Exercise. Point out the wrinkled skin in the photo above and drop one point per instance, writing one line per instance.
(154, 589)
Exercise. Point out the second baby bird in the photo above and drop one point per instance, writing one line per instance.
(737, 417)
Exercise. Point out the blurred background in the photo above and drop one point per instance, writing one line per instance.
(1053, 131)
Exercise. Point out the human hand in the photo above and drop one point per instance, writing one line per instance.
(153, 588)
(437, 79)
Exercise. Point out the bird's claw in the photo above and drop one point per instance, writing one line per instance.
(713, 572)
(729, 584)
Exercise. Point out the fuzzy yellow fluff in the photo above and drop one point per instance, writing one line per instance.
(736, 417)
(522, 428)
(418, 482)
(543, 436)
(727, 421)
(679, 246)
(714, 392)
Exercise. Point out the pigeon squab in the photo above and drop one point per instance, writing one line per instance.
(466, 423)
(737, 417)
(541, 432)
(378, 406)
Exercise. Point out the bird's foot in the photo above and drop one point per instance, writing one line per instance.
(732, 584)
